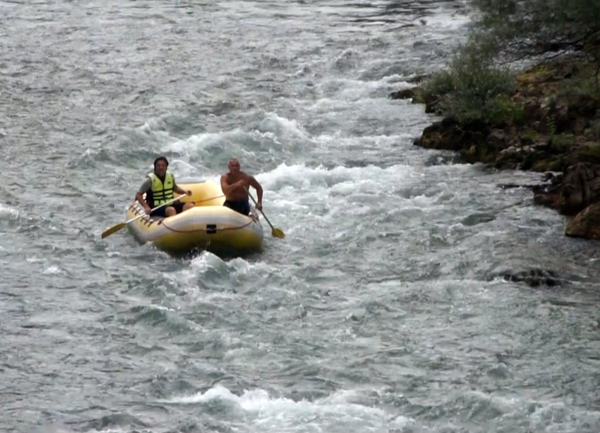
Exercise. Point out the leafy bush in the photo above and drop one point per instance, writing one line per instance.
(472, 88)
(440, 83)
(475, 88)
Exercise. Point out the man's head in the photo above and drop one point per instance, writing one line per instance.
(234, 166)
(160, 166)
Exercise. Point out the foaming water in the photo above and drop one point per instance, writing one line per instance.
(7, 212)
(336, 413)
(398, 301)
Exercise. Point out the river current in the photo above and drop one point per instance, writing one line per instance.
(385, 309)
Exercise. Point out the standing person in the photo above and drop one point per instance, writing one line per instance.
(235, 187)
(159, 187)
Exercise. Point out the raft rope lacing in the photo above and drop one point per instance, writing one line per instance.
(137, 210)
(206, 230)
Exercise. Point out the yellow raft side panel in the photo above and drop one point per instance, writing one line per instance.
(203, 194)
(208, 226)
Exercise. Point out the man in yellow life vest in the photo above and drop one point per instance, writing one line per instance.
(159, 187)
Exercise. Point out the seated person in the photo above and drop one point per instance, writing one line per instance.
(159, 187)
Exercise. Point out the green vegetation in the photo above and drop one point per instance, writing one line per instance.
(590, 154)
(562, 140)
(476, 87)
(472, 88)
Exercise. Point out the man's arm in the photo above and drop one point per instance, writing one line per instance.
(227, 189)
(180, 190)
(146, 186)
(259, 191)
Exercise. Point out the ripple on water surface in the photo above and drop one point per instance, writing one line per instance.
(399, 299)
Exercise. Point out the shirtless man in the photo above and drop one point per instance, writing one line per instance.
(235, 187)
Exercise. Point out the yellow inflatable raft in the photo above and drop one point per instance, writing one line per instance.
(207, 226)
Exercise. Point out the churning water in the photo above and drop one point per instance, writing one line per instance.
(383, 310)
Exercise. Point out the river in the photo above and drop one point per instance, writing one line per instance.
(385, 309)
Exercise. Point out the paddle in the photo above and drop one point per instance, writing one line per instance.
(275, 232)
(119, 226)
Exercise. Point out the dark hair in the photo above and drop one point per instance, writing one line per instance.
(160, 158)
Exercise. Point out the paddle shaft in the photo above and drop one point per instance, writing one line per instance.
(254, 201)
(157, 207)
(170, 202)
(119, 226)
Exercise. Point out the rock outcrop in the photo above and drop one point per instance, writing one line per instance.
(574, 190)
(586, 224)
(557, 132)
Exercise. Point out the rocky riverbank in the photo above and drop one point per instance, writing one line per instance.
(554, 129)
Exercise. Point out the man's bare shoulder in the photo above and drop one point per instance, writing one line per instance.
(250, 178)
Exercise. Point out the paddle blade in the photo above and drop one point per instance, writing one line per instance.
(277, 233)
(113, 229)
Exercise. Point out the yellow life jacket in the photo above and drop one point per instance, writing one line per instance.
(161, 192)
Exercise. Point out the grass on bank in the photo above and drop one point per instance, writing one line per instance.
(475, 87)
